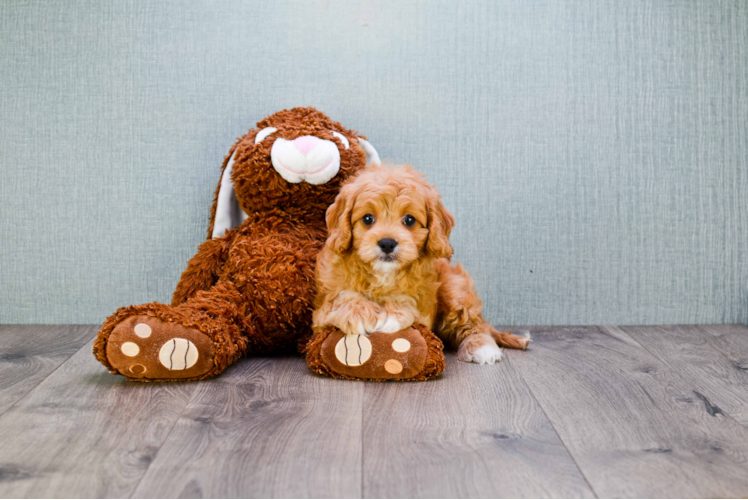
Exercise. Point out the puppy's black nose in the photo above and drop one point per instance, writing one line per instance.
(387, 245)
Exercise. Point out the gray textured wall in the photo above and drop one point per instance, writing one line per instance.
(594, 153)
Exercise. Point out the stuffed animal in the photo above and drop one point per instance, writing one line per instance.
(249, 289)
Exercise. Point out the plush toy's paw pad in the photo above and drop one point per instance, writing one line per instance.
(145, 347)
(377, 356)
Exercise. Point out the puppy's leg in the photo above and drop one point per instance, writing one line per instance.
(351, 312)
(460, 322)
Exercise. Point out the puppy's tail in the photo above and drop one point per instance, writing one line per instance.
(506, 339)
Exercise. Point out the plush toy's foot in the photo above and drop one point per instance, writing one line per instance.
(147, 348)
(411, 354)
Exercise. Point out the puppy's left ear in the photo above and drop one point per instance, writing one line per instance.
(440, 225)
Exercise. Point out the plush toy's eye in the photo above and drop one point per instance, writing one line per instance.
(341, 137)
(368, 219)
(409, 220)
(264, 133)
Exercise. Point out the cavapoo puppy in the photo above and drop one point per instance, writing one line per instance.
(386, 265)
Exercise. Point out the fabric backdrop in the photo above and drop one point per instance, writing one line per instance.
(594, 153)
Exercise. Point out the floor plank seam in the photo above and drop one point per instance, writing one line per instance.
(705, 398)
(363, 450)
(32, 389)
(553, 426)
(166, 438)
(714, 348)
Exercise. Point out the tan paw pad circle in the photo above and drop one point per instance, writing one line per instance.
(138, 369)
(142, 330)
(353, 350)
(393, 366)
(178, 354)
(401, 345)
(130, 349)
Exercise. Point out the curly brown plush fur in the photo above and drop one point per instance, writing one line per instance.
(249, 291)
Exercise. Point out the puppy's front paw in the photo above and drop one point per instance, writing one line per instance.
(389, 324)
(479, 348)
(353, 327)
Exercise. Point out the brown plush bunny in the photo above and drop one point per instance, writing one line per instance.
(250, 287)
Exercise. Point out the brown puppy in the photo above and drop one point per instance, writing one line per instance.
(385, 266)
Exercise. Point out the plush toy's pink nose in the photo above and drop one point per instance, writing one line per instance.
(306, 144)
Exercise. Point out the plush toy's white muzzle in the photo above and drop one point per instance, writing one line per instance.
(308, 159)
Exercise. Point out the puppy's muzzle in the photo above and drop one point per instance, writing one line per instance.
(387, 245)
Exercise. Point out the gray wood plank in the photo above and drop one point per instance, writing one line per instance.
(267, 428)
(83, 432)
(475, 432)
(632, 424)
(712, 358)
(29, 353)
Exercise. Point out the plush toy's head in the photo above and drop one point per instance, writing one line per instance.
(295, 160)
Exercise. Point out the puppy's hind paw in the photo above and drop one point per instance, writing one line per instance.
(486, 355)
(479, 348)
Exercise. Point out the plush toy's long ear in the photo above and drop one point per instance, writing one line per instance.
(371, 154)
(226, 213)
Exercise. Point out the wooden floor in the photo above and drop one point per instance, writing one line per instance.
(585, 412)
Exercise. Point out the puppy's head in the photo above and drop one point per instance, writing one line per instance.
(389, 217)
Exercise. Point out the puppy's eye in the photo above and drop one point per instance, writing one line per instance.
(368, 219)
(409, 220)
(264, 133)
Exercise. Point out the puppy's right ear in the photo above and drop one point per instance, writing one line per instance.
(338, 218)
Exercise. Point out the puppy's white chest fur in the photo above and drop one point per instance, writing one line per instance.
(385, 274)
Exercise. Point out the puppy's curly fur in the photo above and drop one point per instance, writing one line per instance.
(385, 266)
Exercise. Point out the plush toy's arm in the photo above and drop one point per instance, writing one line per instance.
(203, 269)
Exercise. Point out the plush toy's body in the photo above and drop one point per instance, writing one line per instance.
(250, 287)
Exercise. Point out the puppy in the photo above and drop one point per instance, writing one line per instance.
(385, 265)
